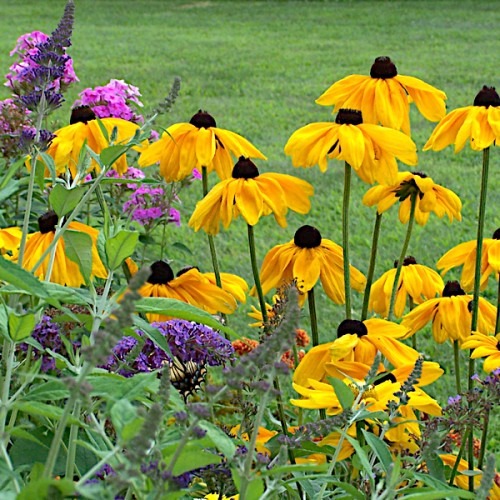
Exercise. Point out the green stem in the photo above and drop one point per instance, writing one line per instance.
(406, 243)
(8, 352)
(345, 239)
(73, 436)
(371, 267)
(256, 277)
(456, 358)
(314, 318)
(484, 436)
(459, 457)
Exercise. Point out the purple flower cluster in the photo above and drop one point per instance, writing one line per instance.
(14, 120)
(148, 204)
(131, 173)
(187, 341)
(47, 334)
(115, 99)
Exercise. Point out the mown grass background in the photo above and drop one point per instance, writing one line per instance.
(258, 67)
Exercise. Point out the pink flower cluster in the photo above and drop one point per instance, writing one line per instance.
(27, 51)
(117, 99)
(13, 121)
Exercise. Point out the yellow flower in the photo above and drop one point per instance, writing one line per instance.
(263, 436)
(199, 143)
(384, 97)
(355, 348)
(485, 346)
(190, 287)
(369, 149)
(451, 315)
(216, 496)
(251, 195)
(84, 128)
(10, 239)
(64, 270)
(416, 281)
(431, 197)
(464, 255)
(305, 259)
(479, 124)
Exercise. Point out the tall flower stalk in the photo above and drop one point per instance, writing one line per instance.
(345, 239)
(256, 277)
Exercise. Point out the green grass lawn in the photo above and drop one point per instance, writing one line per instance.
(258, 67)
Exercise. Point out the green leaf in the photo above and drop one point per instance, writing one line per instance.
(362, 456)
(9, 190)
(343, 393)
(7, 178)
(42, 410)
(433, 494)
(49, 163)
(125, 419)
(379, 448)
(21, 325)
(53, 390)
(177, 309)
(78, 246)
(110, 154)
(194, 457)
(119, 247)
(63, 200)
(114, 387)
(220, 439)
(351, 490)
(15, 275)
(47, 489)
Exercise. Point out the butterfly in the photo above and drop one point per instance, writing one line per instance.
(187, 376)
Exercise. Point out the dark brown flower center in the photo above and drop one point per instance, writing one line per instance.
(452, 288)
(161, 273)
(383, 67)
(496, 234)
(420, 174)
(349, 117)
(245, 169)
(202, 119)
(48, 222)
(307, 237)
(408, 188)
(408, 261)
(180, 272)
(353, 327)
(487, 97)
(384, 377)
(81, 114)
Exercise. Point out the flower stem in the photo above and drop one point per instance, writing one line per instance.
(73, 436)
(484, 435)
(402, 256)
(456, 358)
(345, 239)
(255, 271)
(312, 315)
(497, 322)
(371, 267)
(211, 242)
(459, 456)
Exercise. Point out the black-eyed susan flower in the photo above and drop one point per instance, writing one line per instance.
(10, 239)
(451, 315)
(199, 143)
(190, 287)
(430, 197)
(358, 342)
(384, 97)
(416, 281)
(464, 255)
(369, 149)
(478, 124)
(305, 260)
(84, 128)
(252, 195)
(64, 271)
(485, 346)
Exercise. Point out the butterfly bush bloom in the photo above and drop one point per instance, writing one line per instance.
(14, 120)
(464, 255)
(430, 197)
(371, 150)
(384, 97)
(117, 99)
(252, 195)
(478, 124)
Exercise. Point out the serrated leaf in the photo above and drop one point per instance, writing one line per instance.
(78, 247)
(63, 200)
(119, 247)
(21, 325)
(343, 393)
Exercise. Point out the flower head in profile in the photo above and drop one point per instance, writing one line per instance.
(485, 346)
(371, 150)
(190, 287)
(451, 315)
(199, 143)
(64, 271)
(464, 255)
(478, 124)
(417, 282)
(384, 97)
(430, 197)
(305, 260)
(84, 128)
(252, 195)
